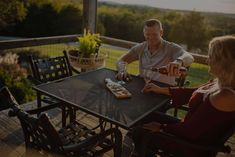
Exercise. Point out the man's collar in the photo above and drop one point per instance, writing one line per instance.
(160, 45)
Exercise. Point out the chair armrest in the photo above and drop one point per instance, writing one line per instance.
(15, 109)
(43, 108)
(201, 147)
(75, 70)
(94, 141)
(183, 107)
(33, 80)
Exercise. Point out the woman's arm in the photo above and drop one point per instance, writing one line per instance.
(180, 96)
(150, 87)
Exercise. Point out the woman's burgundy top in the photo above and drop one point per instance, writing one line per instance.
(203, 122)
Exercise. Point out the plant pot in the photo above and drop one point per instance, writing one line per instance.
(85, 63)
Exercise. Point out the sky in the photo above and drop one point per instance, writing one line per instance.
(224, 6)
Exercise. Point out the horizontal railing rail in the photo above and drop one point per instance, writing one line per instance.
(20, 43)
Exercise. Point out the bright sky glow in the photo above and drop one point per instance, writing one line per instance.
(224, 6)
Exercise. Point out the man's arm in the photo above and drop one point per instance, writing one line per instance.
(180, 58)
(186, 58)
(131, 56)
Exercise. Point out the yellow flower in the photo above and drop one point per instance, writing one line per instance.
(89, 43)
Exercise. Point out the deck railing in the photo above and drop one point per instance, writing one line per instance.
(53, 46)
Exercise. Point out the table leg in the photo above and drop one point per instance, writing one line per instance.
(39, 102)
(72, 114)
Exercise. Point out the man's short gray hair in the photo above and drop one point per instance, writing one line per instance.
(153, 22)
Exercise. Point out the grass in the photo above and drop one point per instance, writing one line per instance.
(198, 73)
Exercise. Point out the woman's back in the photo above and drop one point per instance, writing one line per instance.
(208, 119)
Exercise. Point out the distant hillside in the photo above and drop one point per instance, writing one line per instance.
(208, 14)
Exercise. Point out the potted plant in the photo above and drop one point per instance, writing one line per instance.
(88, 55)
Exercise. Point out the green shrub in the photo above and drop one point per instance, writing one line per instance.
(14, 76)
(23, 54)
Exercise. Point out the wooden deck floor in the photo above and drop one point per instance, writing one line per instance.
(11, 135)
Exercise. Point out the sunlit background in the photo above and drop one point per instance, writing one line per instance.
(224, 6)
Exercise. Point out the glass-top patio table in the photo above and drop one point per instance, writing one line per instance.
(88, 92)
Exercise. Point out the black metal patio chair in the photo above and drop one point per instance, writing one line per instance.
(179, 147)
(180, 82)
(208, 150)
(50, 69)
(73, 140)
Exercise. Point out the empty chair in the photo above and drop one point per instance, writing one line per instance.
(50, 69)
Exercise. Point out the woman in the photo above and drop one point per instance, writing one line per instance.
(211, 106)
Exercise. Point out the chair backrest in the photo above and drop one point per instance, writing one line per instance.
(50, 69)
(181, 81)
(39, 133)
(3, 103)
(7, 100)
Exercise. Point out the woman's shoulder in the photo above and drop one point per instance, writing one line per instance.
(223, 100)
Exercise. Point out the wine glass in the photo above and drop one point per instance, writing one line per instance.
(122, 68)
(148, 74)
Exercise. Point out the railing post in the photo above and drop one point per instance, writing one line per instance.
(89, 15)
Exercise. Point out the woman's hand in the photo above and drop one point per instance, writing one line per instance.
(153, 126)
(150, 87)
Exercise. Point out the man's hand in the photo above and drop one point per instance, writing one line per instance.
(175, 68)
(124, 76)
(121, 75)
(122, 71)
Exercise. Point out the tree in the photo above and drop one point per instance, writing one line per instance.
(168, 22)
(11, 11)
(121, 24)
(190, 30)
(68, 21)
(38, 21)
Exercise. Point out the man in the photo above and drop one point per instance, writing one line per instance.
(155, 52)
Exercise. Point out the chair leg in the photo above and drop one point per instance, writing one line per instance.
(175, 112)
(118, 143)
(63, 108)
(69, 112)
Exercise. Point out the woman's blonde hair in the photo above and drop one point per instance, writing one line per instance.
(222, 56)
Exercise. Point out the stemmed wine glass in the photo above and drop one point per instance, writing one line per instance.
(122, 69)
(148, 74)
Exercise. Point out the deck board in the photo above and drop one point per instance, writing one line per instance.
(11, 135)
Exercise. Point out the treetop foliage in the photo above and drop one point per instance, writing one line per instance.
(33, 18)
